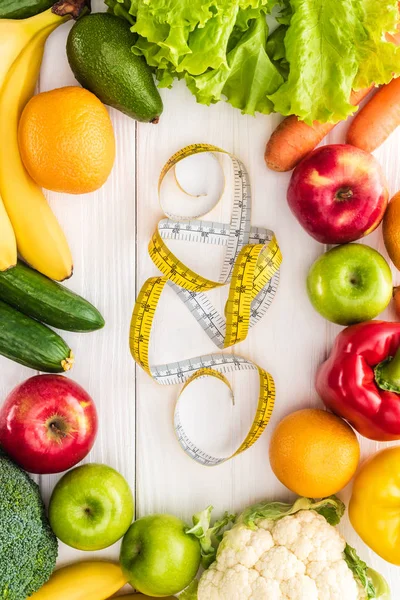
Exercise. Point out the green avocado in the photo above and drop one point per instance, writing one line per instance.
(99, 53)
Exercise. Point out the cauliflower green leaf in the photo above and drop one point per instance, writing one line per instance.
(209, 537)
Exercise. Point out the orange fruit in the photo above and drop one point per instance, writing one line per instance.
(391, 230)
(66, 140)
(314, 453)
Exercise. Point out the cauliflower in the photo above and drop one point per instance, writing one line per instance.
(277, 551)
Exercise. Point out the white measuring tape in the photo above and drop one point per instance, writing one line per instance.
(250, 268)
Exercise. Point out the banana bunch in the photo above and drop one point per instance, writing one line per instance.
(27, 223)
(83, 581)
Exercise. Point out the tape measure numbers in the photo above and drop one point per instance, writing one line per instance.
(250, 267)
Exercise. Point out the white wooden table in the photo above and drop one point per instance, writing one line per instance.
(109, 232)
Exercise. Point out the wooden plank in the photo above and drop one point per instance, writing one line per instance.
(101, 230)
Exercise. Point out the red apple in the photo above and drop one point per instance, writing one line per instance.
(338, 194)
(48, 424)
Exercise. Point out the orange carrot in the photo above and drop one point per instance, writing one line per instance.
(378, 119)
(292, 140)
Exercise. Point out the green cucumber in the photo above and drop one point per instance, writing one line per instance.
(32, 344)
(22, 9)
(45, 300)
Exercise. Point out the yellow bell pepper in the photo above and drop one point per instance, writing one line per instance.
(94, 580)
(374, 508)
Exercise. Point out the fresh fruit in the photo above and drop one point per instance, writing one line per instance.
(314, 453)
(8, 244)
(93, 580)
(28, 546)
(32, 344)
(158, 557)
(99, 49)
(40, 239)
(338, 194)
(91, 507)
(45, 300)
(391, 230)
(22, 9)
(350, 284)
(48, 424)
(292, 140)
(374, 505)
(142, 597)
(66, 140)
(377, 119)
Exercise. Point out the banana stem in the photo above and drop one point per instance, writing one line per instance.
(72, 8)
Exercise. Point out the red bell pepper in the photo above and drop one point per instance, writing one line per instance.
(360, 381)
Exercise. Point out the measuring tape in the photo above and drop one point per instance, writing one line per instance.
(250, 268)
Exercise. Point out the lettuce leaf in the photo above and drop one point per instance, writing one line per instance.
(308, 66)
(333, 46)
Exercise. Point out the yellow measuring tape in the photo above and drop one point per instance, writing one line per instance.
(250, 268)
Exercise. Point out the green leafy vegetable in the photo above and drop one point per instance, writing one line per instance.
(209, 537)
(333, 46)
(331, 508)
(360, 570)
(308, 66)
(380, 584)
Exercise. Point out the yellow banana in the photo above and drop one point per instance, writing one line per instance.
(40, 239)
(83, 581)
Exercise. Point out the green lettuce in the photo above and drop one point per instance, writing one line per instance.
(224, 50)
(333, 46)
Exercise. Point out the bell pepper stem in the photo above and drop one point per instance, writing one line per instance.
(387, 373)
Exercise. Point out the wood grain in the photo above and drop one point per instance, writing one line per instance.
(109, 232)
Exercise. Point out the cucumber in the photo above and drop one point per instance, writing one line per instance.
(32, 344)
(22, 9)
(45, 300)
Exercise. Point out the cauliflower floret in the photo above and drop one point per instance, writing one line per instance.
(233, 584)
(280, 564)
(299, 557)
(310, 537)
(266, 588)
(244, 546)
(334, 580)
(300, 587)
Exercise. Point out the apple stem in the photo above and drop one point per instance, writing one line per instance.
(387, 373)
(344, 194)
(55, 429)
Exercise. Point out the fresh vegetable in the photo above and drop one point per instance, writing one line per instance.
(28, 548)
(350, 284)
(360, 381)
(158, 555)
(99, 53)
(32, 344)
(377, 119)
(45, 300)
(38, 235)
(314, 453)
(373, 506)
(94, 580)
(91, 507)
(293, 139)
(48, 424)
(338, 194)
(284, 551)
(22, 9)
(391, 230)
(83, 161)
(308, 68)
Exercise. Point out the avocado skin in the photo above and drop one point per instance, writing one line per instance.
(100, 56)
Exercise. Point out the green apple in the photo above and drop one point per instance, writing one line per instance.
(158, 557)
(91, 507)
(350, 284)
